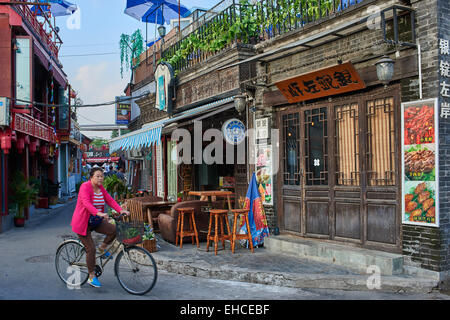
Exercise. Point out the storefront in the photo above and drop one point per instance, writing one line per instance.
(339, 176)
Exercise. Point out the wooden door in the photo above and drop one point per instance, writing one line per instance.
(291, 172)
(316, 180)
(340, 170)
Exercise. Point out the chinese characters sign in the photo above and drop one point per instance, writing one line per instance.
(123, 113)
(420, 163)
(326, 82)
(444, 72)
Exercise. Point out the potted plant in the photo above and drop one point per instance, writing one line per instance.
(22, 195)
(115, 186)
(149, 238)
(52, 191)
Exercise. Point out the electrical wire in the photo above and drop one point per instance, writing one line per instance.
(88, 54)
(122, 99)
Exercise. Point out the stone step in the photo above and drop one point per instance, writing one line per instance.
(354, 258)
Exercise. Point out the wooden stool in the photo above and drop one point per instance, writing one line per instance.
(236, 235)
(218, 215)
(181, 233)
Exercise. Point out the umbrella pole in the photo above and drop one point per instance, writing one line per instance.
(179, 18)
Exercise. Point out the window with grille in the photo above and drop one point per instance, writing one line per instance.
(380, 142)
(291, 154)
(316, 147)
(347, 145)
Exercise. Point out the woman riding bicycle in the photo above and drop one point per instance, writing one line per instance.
(89, 216)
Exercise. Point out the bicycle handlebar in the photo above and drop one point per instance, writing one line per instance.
(119, 217)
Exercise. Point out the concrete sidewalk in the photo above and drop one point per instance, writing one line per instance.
(265, 267)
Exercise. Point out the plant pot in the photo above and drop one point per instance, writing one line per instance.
(42, 202)
(19, 222)
(150, 245)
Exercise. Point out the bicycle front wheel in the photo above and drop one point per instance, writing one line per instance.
(136, 270)
(70, 262)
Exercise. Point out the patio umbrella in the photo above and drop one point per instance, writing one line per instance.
(256, 216)
(156, 11)
(57, 8)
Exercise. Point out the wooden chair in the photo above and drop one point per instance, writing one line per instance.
(181, 232)
(235, 235)
(218, 215)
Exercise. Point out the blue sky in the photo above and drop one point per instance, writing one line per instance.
(90, 54)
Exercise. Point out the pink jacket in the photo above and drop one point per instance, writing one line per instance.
(85, 207)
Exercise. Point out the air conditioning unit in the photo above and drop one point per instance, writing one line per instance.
(4, 111)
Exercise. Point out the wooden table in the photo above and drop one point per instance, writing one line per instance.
(214, 193)
(152, 205)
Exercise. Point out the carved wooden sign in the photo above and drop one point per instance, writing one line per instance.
(326, 82)
(208, 85)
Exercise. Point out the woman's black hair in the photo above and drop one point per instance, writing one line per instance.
(92, 172)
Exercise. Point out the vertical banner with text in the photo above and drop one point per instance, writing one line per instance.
(420, 156)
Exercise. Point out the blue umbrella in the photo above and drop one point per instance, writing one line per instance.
(156, 11)
(150, 43)
(57, 8)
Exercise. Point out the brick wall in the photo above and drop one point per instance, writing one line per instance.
(444, 145)
(425, 247)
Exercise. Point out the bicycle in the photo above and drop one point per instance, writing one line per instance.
(134, 268)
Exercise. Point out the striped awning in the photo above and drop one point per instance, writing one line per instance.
(151, 132)
(144, 137)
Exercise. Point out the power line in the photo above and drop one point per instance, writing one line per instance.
(122, 99)
(88, 54)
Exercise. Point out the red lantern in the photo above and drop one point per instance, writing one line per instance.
(5, 141)
(20, 144)
(33, 145)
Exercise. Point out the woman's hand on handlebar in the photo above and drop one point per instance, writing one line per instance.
(124, 212)
(102, 214)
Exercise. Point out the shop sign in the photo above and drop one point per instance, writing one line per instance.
(444, 71)
(264, 173)
(420, 156)
(164, 82)
(233, 131)
(262, 128)
(326, 82)
(123, 112)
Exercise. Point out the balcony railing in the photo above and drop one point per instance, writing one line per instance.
(246, 23)
(35, 128)
(50, 39)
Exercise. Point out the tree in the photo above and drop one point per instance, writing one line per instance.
(98, 143)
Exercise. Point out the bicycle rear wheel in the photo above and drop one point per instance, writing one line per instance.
(136, 270)
(70, 262)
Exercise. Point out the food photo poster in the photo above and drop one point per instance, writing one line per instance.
(420, 157)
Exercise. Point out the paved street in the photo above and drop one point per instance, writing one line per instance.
(27, 272)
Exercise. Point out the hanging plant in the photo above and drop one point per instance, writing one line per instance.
(131, 47)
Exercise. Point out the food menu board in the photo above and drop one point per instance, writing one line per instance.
(420, 163)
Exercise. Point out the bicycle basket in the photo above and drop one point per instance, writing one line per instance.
(130, 233)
